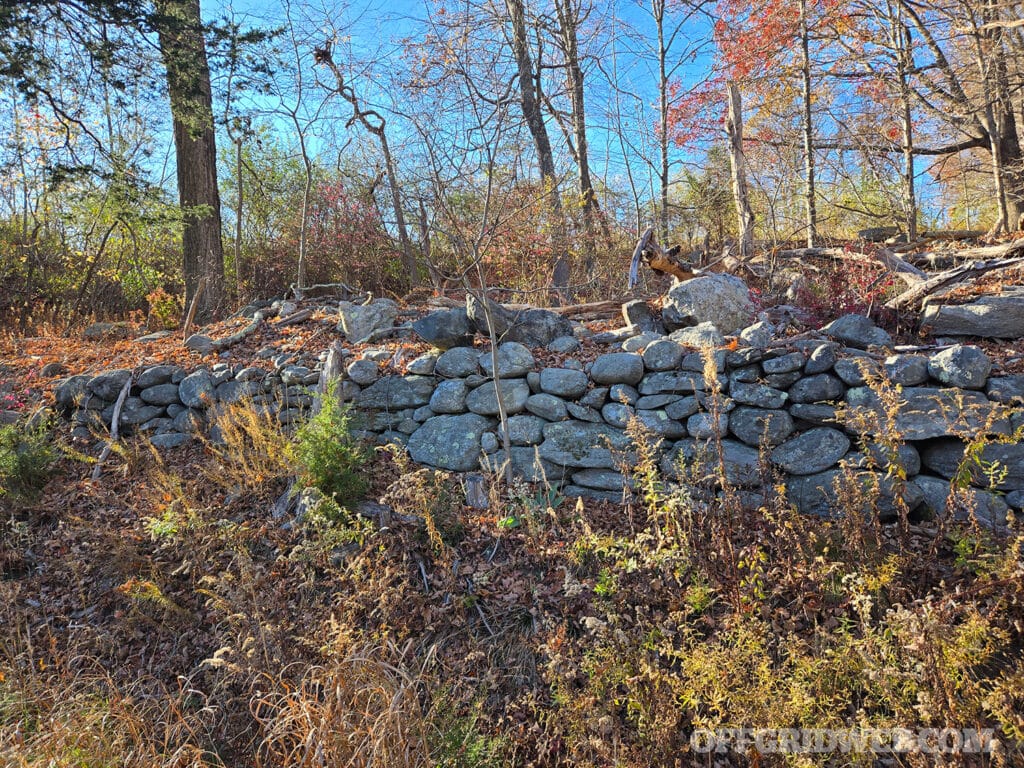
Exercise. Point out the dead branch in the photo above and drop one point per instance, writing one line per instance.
(115, 429)
(911, 299)
(295, 317)
(910, 274)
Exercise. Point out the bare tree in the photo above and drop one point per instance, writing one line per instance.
(738, 163)
(375, 123)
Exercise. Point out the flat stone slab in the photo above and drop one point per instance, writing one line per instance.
(993, 317)
(450, 442)
(929, 412)
(583, 444)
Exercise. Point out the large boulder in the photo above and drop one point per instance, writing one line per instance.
(719, 299)
(361, 322)
(532, 327)
(927, 412)
(583, 444)
(396, 392)
(445, 329)
(450, 442)
(997, 317)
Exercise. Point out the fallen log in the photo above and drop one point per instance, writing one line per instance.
(912, 298)
(907, 272)
(295, 317)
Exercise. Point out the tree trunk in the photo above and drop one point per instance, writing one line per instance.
(535, 123)
(658, 11)
(808, 129)
(183, 50)
(901, 43)
(734, 127)
(568, 20)
(408, 257)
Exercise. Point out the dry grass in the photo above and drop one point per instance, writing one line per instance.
(357, 711)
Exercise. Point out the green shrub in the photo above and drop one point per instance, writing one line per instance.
(330, 458)
(25, 460)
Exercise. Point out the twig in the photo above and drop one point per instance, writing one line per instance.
(192, 308)
(115, 428)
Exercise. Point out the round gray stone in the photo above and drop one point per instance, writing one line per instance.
(907, 370)
(457, 363)
(513, 360)
(758, 395)
(107, 386)
(563, 345)
(812, 451)
(617, 414)
(752, 425)
(858, 331)
(197, 390)
(618, 368)
(450, 442)
(547, 407)
(819, 388)
(623, 393)
(787, 363)
(160, 394)
(702, 425)
(525, 429)
(363, 372)
(563, 383)
(822, 358)
(662, 355)
(169, 440)
(422, 365)
(961, 366)
(484, 399)
(450, 396)
(158, 374)
(659, 422)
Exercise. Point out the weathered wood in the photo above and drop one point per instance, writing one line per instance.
(115, 429)
(328, 374)
(738, 163)
(912, 298)
(193, 306)
(295, 317)
(910, 274)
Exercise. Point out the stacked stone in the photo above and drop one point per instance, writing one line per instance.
(567, 424)
(805, 405)
(169, 405)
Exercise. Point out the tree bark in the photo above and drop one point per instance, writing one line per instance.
(535, 123)
(568, 21)
(808, 129)
(180, 33)
(744, 213)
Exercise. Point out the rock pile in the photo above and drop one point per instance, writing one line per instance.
(806, 405)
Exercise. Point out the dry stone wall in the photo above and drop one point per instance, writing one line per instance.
(805, 403)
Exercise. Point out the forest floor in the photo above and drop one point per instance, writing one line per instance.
(159, 616)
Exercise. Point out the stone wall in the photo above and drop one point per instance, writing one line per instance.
(567, 423)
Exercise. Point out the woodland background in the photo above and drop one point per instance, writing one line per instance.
(149, 148)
